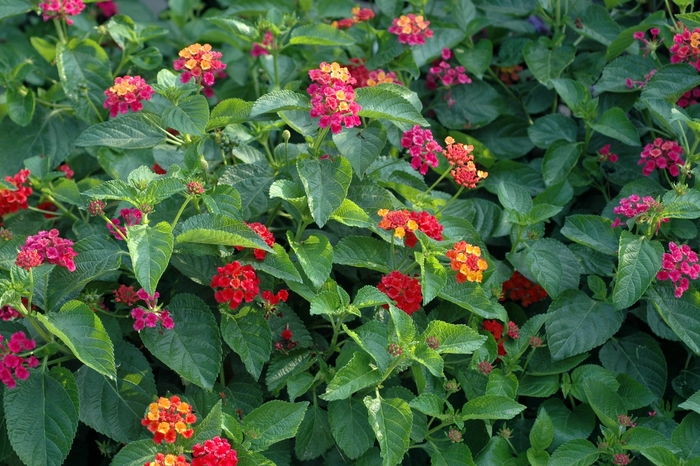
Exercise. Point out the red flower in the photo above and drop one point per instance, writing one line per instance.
(168, 460)
(287, 334)
(169, 417)
(12, 201)
(200, 62)
(496, 329)
(406, 291)
(605, 155)
(126, 295)
(411, 29)
(131, 217)
(265, 234)
(404, 223)
(214, 452)
(465, 172)
(238, 283)
(49, 207)
(274, 299)
(67, 170)
(158, 170)
(519, 288)
(686, 47)
(333, 97)
(127, 92)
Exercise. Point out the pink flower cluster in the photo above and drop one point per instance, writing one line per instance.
(649, 45)
(108, 8)
(367, 78)
(443, 72)
(214, 452)
(264, 48)
(128, 91)
(152, 315)
(131, 217)
(61, 9)
(333, 97)
(10, 361)
(604, 155)
(411, 29)
(641, 209)
(8, 312)
(686, 48)
(681, 260)
(689, 98)
(662, 155)
(46, 246)
(422, 147)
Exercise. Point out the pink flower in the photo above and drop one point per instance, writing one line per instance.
(442, 72)
(649, 45)
(128, 91)
(680, 261)
(689, 98)
(411, 29)
(662, 155)
(333, 97)
(108, 8)
(422, 147)
(47, 246)
(643, 210)
(61, 9)
(686, 48)
(265, 47)
(605, 155)
(200, 62)
(152, 315)
(12, 365)
(131, 217)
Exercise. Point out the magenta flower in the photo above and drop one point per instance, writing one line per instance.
(131, 217)
(46, 246)
(128, 91)
(150, 316)
(333, 97)
(662, 155)
(422, 147)
(411, 29)
(61, 9)
(13, 366)
(643, 210)
(680, 261)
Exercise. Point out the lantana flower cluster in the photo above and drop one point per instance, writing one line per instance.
(162, 459)
(265, 234)
(12, 201)
(264, 47)
(61, 9)
(662, 155)
(404, 290)
(46, 246)
(108, 8)
(643, 210)
(333, 97)
(169, 417)
(686, 47)
(679, 265)
(604, 155)
(8, 312)
(405, 222)
(359, 15)
(411, 29)
(632, 84)
(131, 217)
(464, 172)
(691, 97)
(366, 78)
(238, 283)
(14, 367)
(496, 329)
(509, 75)
(443, 73)
(467, 261)
(214, 452)
(422, 147)
(200, 62)
(519, 288)
(127, 92)
(152, 314)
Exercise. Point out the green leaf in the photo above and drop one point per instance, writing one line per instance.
(507, 138)
(453, 338)
(326, 185)
(391, 420)
(404, 328)
(225, 200)
(542, 432)
(443, 37)
(606, 404)
(578, 452)
(661, 456)
(684, 205)
(373, 338)
(547, 64)
(502, 385)
(136, 453)
(82, 331)
(477, 59)
(573, 93)
(670, 81)
(559, 160)
(193, 347)
(593, 231)
(615, 124)
(352, 215)
(279, 265)
(639, 356)
(454, 455)
(687, 436)
(13, 7)
(208, 428)
(472, 297)
(236, 26)
(625, 39)
(83, 67)
(252, 181)
(219, 230)
(640, 260)
(150, 249)
(20, 106)
(249, 335)
(320, 34)
(363, 251)
(433, 276)
(273, 422)
(357, 374)
(116, 410)
(314, 435)
(473, 106)
(315, 255)
(538, 386)
(578, 324)
(552, 128)
(361, 146)
(692, 403)
(553, 265)
(132, 131)
(382, 103)
(42, 417)
(350, 427)
(490, 407)
(682, 314)
(189, 116)
(514, 197)
(276, 101)
(428, 358)
(229, 112)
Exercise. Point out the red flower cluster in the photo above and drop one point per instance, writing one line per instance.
(152, 315)
(676, 263)
(61, 9)
(405, 222)
(274, 299)
(467, 261)
(411, 29)
(238, 283)
(12, 201)
(265, 234)
(11, 364)
(686, 48)
(367, 78)
(8, 312)
(264, 48)
(691, 97)
(168, 460)
(200, 62)
(125, 295)
(662, 155)
(405, 290)
(131, 217)
(643, 210)
(214, 452)
(169, 417)
(465, 172)
(422, 147)
(333, 97)
(46, 246)
(604, 155)
(358, 15)
(67, 170)
(158, 170)
(519, 288)
(127, 91)
(442, 72)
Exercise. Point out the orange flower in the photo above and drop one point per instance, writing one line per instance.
(467, 261)
(165, 419)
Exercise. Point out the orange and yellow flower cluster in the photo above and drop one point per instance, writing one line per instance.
(465, 172)
(467, 261)
(169, 417)
(200, 62)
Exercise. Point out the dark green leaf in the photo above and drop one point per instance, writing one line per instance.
(579, 452)
(491, 407)
(349, 425)
(189, 116)
(315, 255)
(249, 335)
(472, 297)
(559, 160)
(476, 60)
(681, 314)
(326, 184)
(553, 265)
(552, 128)
(547, 64)
(20, 105)
(687, 436)
(593, 231)
(382, 103)
(150, 249)
(616, 124)
(320, 34)
(272, 422)
(229, 111)
(13, 7)
(671, 81)
(361, 146)
(453, 338)
(640, 260)
(136, 453)
(219, 230)
(279, 100)
(132, 131)
(252, 181)
(314, 435)
(391, 420)
(357, 374)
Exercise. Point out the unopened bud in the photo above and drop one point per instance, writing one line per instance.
(195, 188)
(5, 234)
(432, 342)
(484, 367)
(394, 349)
(286, 135)
(454, 435)
(96, 207)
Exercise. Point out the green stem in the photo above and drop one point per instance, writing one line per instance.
(92, 104)
(435, 184)
(61, 207)
(319, 138)
(459, 191)
(59, 29)
(61, 359)
(510, 93)
(179, 212)
(393, 254)
(277, 73)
